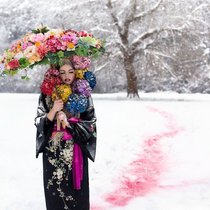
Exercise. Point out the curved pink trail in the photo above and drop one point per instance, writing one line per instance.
(142, 175)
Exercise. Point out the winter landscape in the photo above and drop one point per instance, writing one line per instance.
(163, 43)
(152, 150)
(152, 154)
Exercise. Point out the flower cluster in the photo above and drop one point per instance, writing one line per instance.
(81, 62)
(50, 46)
(76, 96)
(51, 80)
(81, 86)
(62, 91)
(76, 103)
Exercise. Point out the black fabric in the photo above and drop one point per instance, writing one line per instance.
(84, 134)
(80, 198)
(43, 124)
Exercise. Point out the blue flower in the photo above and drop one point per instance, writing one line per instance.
(76, 103)
(90, 77)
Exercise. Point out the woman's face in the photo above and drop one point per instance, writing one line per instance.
(67, 74)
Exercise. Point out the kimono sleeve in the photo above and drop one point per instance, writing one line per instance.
(84, 131)
(44, 126)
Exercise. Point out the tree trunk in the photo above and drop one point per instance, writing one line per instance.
(132, 89)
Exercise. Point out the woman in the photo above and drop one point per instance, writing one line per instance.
(66, 142)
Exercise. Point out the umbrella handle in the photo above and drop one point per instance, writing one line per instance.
(58, 96)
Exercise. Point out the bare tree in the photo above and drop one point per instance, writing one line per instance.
(128, 49)
(131, 44)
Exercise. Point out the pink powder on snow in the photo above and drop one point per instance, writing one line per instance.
(142, 175)
(95, 207)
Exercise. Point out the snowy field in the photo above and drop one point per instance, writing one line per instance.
(152, 154)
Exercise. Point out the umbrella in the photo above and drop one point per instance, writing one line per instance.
(48, 46)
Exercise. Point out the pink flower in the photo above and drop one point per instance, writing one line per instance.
(39, 38)
(70, 37)
(24, 46)
(14, 64)
(84, 34)
(51, 73)
(42, 51)
(80, 62)
(54, 44)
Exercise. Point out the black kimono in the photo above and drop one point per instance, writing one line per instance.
(58, 155)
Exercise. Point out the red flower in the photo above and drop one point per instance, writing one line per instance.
(51, 73)
(84, 34)
(14, 64)
(42, 51)
(51, 79)
(54, 44)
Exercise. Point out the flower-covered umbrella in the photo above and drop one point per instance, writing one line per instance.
(51, 46)
(48, 46)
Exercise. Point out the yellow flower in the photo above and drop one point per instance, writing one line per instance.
(79, 74)
(19, 46)
(34, 58)
(70, 45)
(37, 44)
(54, 96)
(62, 91)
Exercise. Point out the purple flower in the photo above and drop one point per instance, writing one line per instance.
(82, 86)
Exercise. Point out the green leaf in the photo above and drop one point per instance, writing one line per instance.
(10, 72)
(5, 72)
(24, 62)
(60, 54)
(42, 30)
(44, 61)
(89, 40)
(25, 78)
(82, 50)
(13, 72)
(68, 53)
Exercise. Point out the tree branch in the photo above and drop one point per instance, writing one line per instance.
(98, 28)
(165, 65)
(114, 17)
(123, 32)
(143, 14)
(158, 53)
(117, 44)
(101, 67)
(146, 46)
(149, 33)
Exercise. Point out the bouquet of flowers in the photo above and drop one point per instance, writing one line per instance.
(76, 96)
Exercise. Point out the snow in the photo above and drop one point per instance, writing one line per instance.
(152, 154)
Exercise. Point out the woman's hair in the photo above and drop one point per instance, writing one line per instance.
(64, 61)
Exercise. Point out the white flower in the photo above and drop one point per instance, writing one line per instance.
(52, 161)
(67, 154)
(19, 55)
(59, 173)
(29, 51)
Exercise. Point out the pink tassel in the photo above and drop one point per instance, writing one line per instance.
(77, 167)
(74, 120)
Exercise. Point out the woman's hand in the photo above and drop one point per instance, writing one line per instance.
(57, 106)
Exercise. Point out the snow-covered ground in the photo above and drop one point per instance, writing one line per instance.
(152, 154)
